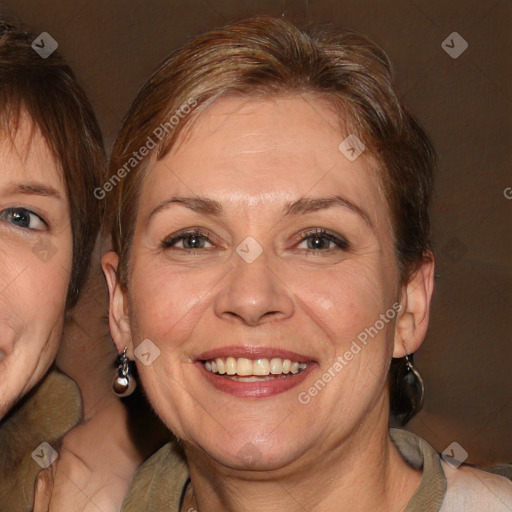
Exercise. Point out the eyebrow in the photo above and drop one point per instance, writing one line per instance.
(302, 206)
(312, 204)
(34, 189)
(197, 204)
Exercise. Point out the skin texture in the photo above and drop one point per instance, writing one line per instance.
(32, 286)
(255, 157)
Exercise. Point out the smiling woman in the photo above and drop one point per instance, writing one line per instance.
(36, 232)
(275, 245)
(52, 156)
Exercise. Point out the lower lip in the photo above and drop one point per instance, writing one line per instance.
(263, 389)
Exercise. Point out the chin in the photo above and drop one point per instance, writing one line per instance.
(9, 398)
(247, 448)
(16, 384)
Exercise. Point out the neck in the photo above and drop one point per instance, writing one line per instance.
(363, 472)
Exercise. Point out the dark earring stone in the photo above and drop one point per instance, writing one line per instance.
(407, 389)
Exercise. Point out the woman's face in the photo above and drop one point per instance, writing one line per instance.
(35, 261)
(261, 250)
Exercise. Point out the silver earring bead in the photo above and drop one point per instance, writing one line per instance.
(123, 384)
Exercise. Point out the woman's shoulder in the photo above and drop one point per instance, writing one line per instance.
(444, 488)
(471, 489)
(47, 413)
(159, 482)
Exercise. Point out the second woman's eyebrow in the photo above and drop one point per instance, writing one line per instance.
(301, 206)
(31, 189)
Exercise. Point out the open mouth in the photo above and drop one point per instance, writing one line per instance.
(253, 370)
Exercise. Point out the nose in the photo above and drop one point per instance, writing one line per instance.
(253, 294)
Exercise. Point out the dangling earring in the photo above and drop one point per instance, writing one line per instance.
(123, 384)
(411, 370)
(407, 390)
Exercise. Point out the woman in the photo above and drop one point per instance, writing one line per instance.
(52, 154)
(271, 256)
(52, 159)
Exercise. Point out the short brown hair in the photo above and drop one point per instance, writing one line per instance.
(48, 91)
(265, 56)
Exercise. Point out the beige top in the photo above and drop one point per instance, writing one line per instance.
(49, 411)
(160, 482)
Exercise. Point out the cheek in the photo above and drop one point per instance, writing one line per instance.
(33, 289)
(32, 307)
(38, 308)
(346, 305)
(167, 304)
(345, 300)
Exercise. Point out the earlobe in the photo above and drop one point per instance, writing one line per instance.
(119, 321)
(411, 326)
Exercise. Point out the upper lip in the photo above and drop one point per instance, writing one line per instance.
(252, 352)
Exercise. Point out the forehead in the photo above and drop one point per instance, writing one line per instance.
(26, 155)
(254, 151)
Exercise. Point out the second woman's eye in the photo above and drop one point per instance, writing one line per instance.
(188, 240)
(321, 240)
(23, 218)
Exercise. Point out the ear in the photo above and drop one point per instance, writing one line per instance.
(119, 320)
(412, 323)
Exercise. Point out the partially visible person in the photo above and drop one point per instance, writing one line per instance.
(53, 157)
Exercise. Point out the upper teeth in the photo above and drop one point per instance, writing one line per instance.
(245, 367)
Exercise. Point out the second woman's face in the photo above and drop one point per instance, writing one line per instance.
(263, 280)
(35, 261)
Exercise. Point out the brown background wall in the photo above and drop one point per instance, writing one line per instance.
(465, 104)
